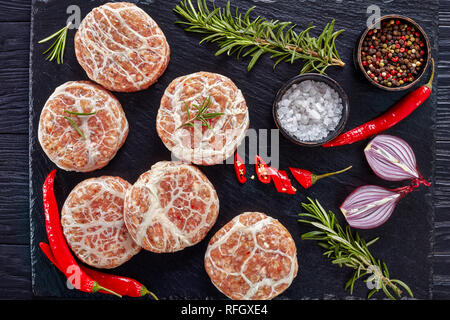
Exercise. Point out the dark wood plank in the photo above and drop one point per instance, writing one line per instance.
(15, 10)
(14, 60)
(15, 272)
(441, 199)
(15, 269)
(14, 195)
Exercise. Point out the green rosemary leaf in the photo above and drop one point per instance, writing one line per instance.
(187, 110)
(312, 234)
(195, 106)
(250, 51)
(350, 282)
(80, 113)
(225, 49)
(63, 48)
(205, 105)
(372, 241)
(371, 293)
(386, 271)
(404, 285)
(340, 261)
(75, 126)
(56, 34)
(255, 58)
(352, 285)
(387, 293)
(212, 115)
(206, 124)
(51, 47)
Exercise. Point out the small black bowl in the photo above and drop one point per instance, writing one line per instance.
(315, 77)
(427, 49)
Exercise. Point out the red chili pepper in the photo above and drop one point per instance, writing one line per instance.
(262, 171)
(239, 168)
(397, 113)
(306, 178)
(66, 262)
(282, 181)
(122, 285)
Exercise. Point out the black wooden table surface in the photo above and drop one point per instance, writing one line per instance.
(15, 271)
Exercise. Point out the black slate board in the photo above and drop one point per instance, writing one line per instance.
(406, 239)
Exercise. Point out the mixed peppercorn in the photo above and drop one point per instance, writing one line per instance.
(394, 54)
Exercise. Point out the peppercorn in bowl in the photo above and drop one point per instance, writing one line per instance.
(393, 53)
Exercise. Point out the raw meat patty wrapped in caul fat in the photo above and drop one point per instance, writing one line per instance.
(199, 144)
(104, 132)
(92, 220)
(121, 47)
(253, 257)
(170, 207)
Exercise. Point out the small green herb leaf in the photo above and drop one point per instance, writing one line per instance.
(75, 126)
(212, 115)
(79, 113)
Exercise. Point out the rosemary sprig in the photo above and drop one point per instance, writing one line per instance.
(76, 127)
(56, 50)
(237, 33)
(201, 115)
(74, 124)
(350, 250)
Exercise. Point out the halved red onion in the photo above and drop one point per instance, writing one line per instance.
(369, 206)
(391, 158)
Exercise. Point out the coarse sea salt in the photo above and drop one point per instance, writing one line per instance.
(310, 110)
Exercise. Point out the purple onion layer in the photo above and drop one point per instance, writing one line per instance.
(391, 158)
(369, 206)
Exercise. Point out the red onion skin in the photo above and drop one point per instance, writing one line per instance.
(385, 171)
(355, 222)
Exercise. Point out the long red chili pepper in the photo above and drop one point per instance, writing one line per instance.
(63, 257)
(121, 285)
(239, 168)
(394, 115)
(306, 178)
